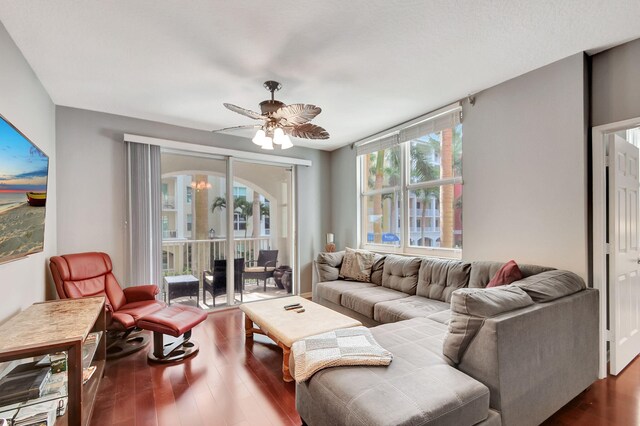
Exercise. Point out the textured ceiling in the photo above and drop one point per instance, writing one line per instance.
(368, 64)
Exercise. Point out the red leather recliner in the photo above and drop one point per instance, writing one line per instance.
(90, 274)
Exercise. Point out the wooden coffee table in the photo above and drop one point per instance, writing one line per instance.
(286, 327)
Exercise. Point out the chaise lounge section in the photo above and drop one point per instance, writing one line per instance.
(463, 354)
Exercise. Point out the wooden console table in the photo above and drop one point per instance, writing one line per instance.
(61, 326)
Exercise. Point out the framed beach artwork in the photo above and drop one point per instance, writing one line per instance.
(23, 193)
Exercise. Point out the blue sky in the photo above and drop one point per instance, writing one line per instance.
(23, 167)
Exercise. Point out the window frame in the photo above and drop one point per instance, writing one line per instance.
(402, 190)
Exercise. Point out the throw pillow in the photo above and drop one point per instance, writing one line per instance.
(509, 273)
(357, 264)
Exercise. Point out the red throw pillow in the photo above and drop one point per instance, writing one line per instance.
(509, 273)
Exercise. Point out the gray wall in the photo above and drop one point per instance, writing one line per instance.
(525, 172)
(344, 201)
(91, 182)
(26, 104)
(615, 84)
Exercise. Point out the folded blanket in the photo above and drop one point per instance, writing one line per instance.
(347, 346)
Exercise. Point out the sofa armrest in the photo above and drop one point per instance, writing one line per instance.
(140, 293)
(536, 359)
(328, 265)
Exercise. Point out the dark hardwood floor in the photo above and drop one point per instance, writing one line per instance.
(229, 382)
(233, 382)
(613, 401)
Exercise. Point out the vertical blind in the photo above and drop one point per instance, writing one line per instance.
(144, 209)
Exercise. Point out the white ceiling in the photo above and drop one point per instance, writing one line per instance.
(369, 64)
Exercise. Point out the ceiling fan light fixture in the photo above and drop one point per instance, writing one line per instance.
(268, 143)
(278, 121)
(286, 142)
(278, 136)
(258, 139)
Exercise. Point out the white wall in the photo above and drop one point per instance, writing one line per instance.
(524, 169)
(25, 103)
(91, 183)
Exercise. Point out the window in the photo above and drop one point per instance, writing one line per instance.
(411, 188)
(240, 192)
(189, 193)
(239, 222)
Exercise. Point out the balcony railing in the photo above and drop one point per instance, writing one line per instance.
(194, 256)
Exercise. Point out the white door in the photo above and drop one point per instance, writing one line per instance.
(624, 263)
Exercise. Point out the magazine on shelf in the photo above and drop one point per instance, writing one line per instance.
(40, 414)
(87, 373)
(26, 381)
(89, 348)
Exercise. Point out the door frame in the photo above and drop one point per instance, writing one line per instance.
(599, 227)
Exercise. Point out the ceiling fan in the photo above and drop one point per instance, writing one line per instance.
(279, 121)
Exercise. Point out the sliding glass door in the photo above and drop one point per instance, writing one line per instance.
(203, 227)
(262, 229)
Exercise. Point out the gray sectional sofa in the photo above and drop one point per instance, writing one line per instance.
(463, 354)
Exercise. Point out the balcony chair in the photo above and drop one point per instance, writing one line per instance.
(128, 310)
(261, 269)
(214, 281)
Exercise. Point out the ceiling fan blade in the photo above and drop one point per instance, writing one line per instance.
(296, 114)
(308, 131)
(245, 112)
(250, 126)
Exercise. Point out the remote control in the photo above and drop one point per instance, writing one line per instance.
(290, 307)
(301, 310)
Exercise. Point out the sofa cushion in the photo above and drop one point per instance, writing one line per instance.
(551, 285)
(357, 264)
(377, 269)
(509, 273)
(483, 271)
(364, 299)
(470, 307)
(409, 391)
(407, 308)
(443, 317)
(328, 265)
(401, 273)
(332, 290)
(438, 278)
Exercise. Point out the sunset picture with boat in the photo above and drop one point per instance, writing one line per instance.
(23, 186)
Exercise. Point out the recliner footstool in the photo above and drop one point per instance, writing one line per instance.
(175, 321)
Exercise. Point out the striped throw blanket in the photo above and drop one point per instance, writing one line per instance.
(347, 346)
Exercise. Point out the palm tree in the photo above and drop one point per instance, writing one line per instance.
(422, 170)
(377, 198)
(218, 203)
(446, 191)
(240, 206)
(392, 171)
